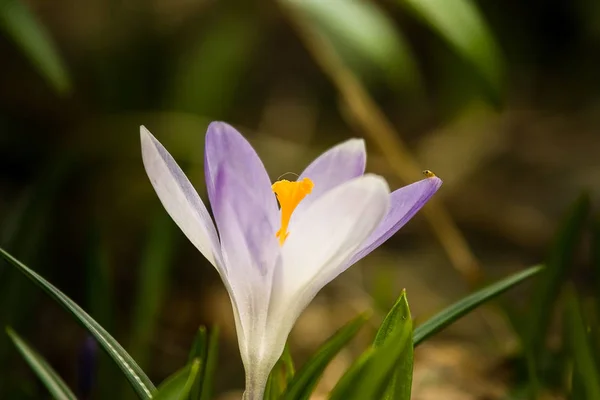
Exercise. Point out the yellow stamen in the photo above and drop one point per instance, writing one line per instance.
(428, 174)
(289, 194)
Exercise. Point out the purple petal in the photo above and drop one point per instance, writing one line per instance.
(337, 165)
(248, 242)
(404, 204)
(227, 148)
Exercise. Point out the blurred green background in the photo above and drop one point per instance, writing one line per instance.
(500, 99)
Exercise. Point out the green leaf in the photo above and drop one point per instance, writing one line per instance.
(557, 266)
(153, 281)
(398, 319)
(466, 304)
(210, 368)
(346, 386)
(198, 350)
(179, 385)
(34, 41)
(280, 376)
(53, 382)
(583, 353)
(362, 35)
(392, 357)
(137, 378)
(212, 65)
(305, 380)
(462, 26)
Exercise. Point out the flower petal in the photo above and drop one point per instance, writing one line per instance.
(226, 147)
(251, 254)
(337, 165)
(405, 203)
(179, 197)
(317, 250)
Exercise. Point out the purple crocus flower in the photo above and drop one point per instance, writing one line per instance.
(274, 253)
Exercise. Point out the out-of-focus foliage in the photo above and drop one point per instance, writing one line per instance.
(32, 38)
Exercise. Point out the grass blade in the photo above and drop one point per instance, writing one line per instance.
(583, 353)
(153, 280)
(35, 42)
(557, 266)
(395, 354)
(301, 387)
(210, 368)
(179, 385)
(134, 374)
(460, 23)
(53, 382)
(198, 351)
(346, 386)
(463, 306)
(398, 319)
(376, 49)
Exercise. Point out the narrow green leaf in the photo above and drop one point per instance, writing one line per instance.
(398, 319)
(305, 380)
(363, 36)
(210, 368)
(226, 44)
(395, 354)
(34, 41)
(460, 23)
(198, 350)
(346, 386)
(138, 379)
(466, 304)
(398, 315)
(280, 376)
(53, 382)
(557, 266)
(153, 281)
(585, 364)
(288, 363)
(179, 385)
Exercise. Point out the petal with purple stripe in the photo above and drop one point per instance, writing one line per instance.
(179, 198)
(337, 165)
(404, 204)
(227, 148)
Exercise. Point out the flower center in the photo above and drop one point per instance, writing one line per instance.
(289, 194)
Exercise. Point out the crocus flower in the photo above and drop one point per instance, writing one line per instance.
(276, 245)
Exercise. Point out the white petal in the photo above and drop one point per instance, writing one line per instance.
(318, 248)
(179, 197)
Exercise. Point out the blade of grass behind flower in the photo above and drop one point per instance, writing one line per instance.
(583, 354)
(100, 301)
(398, 319)
(198, 351)
(376, 49)
(134, 374)
(307, 377)
(460, 23)
(179, 385)
(280, 376)
(345, 387)
(210, 368)
(555, 273)
(34, 41)
(152, 284)
(385, 361)
(468, 303)
(24, 231)
(53, 382)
